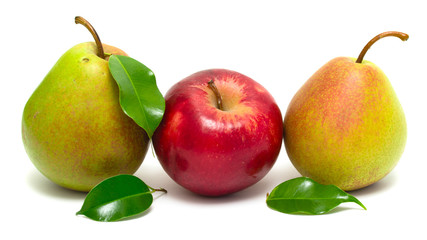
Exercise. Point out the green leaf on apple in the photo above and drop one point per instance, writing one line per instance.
(116, 198)
(305, 196)
(140, 98)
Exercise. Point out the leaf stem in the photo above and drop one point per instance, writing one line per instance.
(84, 22)
(153, 190)
(402, 36)
(217, 94)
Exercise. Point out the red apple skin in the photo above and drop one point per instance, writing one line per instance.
(216, 152)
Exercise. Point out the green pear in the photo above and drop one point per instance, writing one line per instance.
(345, 125)
(73, 128)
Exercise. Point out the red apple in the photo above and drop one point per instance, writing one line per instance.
(215, 150)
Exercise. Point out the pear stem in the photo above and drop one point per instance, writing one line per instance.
(84, 22)
(402, 36)
(217, 94)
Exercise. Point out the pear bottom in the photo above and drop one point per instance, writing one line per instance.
(78, 158)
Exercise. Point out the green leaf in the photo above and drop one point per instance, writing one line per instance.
(304, 195)
(116, 198)
(140, 98)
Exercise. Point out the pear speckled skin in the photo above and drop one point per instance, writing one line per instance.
(73, 128)
(345, 126)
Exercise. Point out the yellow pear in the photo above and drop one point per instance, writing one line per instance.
(345, 125)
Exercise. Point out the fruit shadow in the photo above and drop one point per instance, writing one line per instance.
(382, 185)
(42, 185)
(278, 174)
(341, 208)
(336, 210)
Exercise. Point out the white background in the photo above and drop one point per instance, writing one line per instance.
(280, 44)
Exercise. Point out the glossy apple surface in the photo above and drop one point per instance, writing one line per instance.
(215, 152)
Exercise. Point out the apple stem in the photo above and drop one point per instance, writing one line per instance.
(84, 22)
(217, 94)
(402, 36)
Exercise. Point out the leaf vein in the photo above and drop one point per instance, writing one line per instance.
(136, 95)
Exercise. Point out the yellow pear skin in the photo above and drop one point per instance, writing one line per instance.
(73, 127)
(345, 126)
